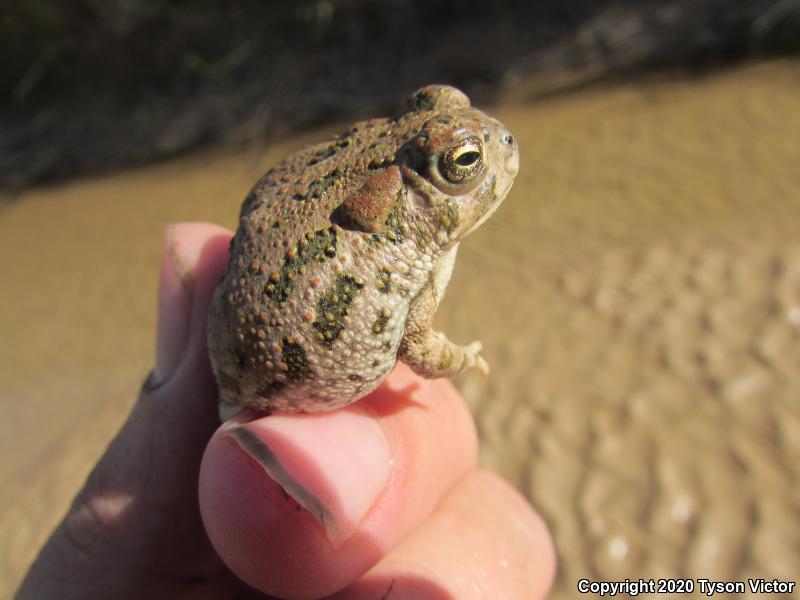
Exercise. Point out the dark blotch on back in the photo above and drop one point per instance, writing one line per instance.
(394, 230)
(294, 355)
(384, 283)
(424, 102)
(321, 155)
(333, 306)
(323, 185)
(379, 326)
(315, 246)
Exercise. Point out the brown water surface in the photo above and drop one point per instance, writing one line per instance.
(639, 302)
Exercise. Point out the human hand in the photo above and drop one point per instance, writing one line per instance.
(382, 499)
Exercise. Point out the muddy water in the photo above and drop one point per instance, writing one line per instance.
(639, 302)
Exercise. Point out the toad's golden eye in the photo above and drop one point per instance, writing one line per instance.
(462, 161)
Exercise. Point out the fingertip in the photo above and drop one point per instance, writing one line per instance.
(285, 496)
(536, 541)
(200, 252)
(483, 541)
(187, 243)
(264, 535)
(193, 257)
(174, 310)
(335, 465)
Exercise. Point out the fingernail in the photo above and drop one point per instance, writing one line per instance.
(334, 465)
(178, 258)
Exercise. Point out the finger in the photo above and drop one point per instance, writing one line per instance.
(194, 257)
(482, 541)
(301, 505)
(155, 459)
(112, 538)
(174, 301)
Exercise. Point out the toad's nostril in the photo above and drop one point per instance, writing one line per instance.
(508, 140)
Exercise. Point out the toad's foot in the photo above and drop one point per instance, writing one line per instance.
(435, 356)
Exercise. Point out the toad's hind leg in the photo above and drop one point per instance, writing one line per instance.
(429, 353)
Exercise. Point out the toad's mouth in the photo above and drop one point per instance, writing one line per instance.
(512, 166)
(499, 196)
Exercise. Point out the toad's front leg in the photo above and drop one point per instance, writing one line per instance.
(428, 352)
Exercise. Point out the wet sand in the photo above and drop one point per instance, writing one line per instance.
(645, 348)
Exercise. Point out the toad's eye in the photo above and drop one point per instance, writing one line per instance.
(463, 161)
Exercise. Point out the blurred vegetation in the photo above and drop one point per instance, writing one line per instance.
(87, 85)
